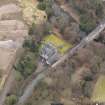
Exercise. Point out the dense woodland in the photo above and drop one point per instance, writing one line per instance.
(72, 82)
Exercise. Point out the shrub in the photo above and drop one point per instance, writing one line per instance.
(47, 6)
(11, 100)
(42, 6)
(26, 64)
(87, 24)
(18, 76)
(87, 89)
(40, 0)
(32, 29)
(99, 11)
(30, 44)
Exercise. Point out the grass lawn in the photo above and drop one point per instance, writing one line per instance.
(99, 90)
(60, 44)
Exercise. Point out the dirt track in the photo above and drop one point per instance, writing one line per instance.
(7, 87)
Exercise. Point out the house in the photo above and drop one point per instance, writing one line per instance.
(53, 48)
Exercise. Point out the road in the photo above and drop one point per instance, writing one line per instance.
(30, 87)
(94, 34)
(38, 76)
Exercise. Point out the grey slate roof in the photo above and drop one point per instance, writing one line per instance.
(49, 53)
